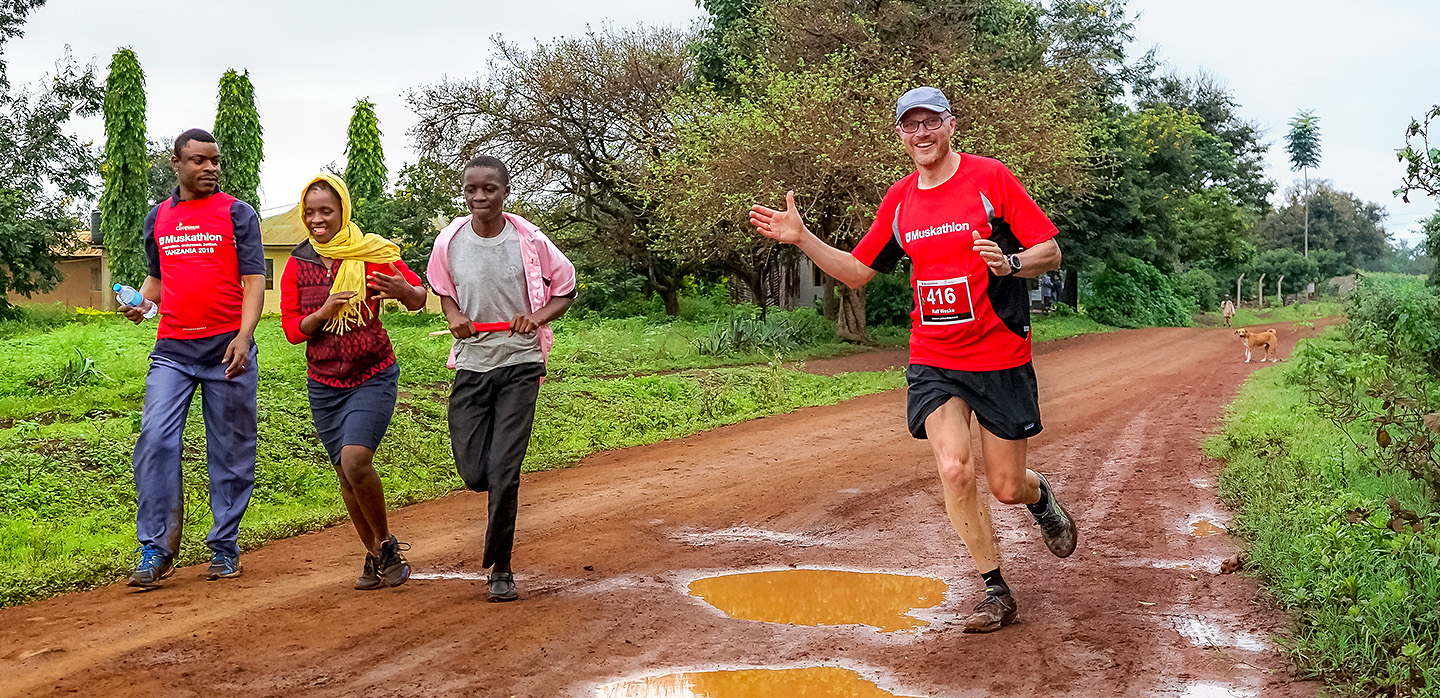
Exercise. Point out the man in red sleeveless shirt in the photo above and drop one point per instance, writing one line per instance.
(973, 234)
(207, 273)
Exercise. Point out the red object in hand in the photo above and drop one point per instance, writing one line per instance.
(490, 326)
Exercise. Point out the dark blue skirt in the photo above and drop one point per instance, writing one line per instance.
(357, 416)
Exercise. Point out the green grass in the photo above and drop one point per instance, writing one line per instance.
(1248, 317)
(1365, 600)
(67, 498)
(1056, 326)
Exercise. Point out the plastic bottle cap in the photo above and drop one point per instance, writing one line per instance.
(115, 288)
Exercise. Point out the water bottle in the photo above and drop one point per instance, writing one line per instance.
(128, 296)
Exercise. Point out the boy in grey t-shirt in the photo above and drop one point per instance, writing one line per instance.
(497, 267)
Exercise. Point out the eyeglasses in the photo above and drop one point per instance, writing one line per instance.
(930, 122)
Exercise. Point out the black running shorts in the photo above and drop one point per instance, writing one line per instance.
(1005, 402)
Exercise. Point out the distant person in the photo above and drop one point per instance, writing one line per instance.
(207, 272)
(1047, 292)
(492, 266)
(1227, 310)
(330, 295)
(973, 235)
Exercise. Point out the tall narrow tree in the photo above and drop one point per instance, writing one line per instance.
(365, 161)
(125, 169)
(1303, 144)
(238, 133)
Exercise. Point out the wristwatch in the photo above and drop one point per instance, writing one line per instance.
(1014, 261)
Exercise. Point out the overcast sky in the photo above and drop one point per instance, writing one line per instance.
(1362, 66)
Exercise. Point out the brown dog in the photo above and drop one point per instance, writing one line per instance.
(1255, 340)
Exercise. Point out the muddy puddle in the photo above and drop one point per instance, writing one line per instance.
(1202, 526)
(823, 597)
(748, 683)
(1207, 633)
(1214, 690)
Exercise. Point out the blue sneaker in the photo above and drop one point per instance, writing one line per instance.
(154, 566)
(223, 567)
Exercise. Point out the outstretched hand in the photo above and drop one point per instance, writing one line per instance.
(784, 226)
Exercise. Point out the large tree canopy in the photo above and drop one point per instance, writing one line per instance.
(577, 122)
(1339, 221)
(45, 171)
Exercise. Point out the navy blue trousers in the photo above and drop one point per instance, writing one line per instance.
(228, 407)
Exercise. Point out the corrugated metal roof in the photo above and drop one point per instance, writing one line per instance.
(284, 230)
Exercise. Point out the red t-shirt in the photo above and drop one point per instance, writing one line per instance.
(200, 249)
(965, 318)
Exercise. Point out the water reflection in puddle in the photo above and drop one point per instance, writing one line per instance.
(822, 597)
(1213, 690)
(833, 682)
(1205, 633)
(1204, 526)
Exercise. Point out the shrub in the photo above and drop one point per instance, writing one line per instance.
(1199, 287)
(1130, 293)
(889, 299)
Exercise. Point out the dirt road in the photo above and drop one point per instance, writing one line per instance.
(606, 549)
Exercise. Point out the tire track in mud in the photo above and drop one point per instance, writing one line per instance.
(605, 550)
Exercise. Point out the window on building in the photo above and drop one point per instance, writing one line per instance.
(269, 274)
(819, 280)
(95, 278)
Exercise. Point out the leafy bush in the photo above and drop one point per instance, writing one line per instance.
(1198, 287)
(1131, 293)
(889, 299)
(1396, 316)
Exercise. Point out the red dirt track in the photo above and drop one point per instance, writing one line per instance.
(605, 550)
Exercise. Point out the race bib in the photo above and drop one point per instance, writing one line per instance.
(944, 302)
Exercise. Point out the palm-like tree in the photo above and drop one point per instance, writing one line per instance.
(1304, 148)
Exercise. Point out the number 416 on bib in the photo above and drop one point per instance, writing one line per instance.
(945, 302)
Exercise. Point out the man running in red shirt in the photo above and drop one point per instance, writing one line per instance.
(973, 235)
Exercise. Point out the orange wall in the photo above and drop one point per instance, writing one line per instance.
(78, 287)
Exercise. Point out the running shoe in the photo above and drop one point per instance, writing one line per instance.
(223, 566)
(369, 577)
(392, 567)
(502, 586)
(1056, 525)
(154, 566)
(995, 611)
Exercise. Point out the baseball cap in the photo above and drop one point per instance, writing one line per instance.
(921, 98)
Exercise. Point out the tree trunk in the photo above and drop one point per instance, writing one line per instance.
(851, 321)
(827, 295)
(756, 284)
(1070, 294)
(672, 302)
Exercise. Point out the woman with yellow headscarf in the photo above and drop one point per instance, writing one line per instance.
(330, 295)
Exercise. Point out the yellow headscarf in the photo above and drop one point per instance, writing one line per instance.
(352, 248)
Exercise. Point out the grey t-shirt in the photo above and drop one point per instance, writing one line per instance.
(490, 287)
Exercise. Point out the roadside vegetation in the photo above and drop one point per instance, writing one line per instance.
(72, 385)
(1333, 472)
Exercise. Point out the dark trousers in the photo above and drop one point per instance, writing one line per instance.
(491, 414)
(228, 406)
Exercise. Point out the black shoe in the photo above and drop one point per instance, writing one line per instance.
(502, 586)
(1056, 525)
(392, 567)
(154, 566)
(369, 577)
(995, 611)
